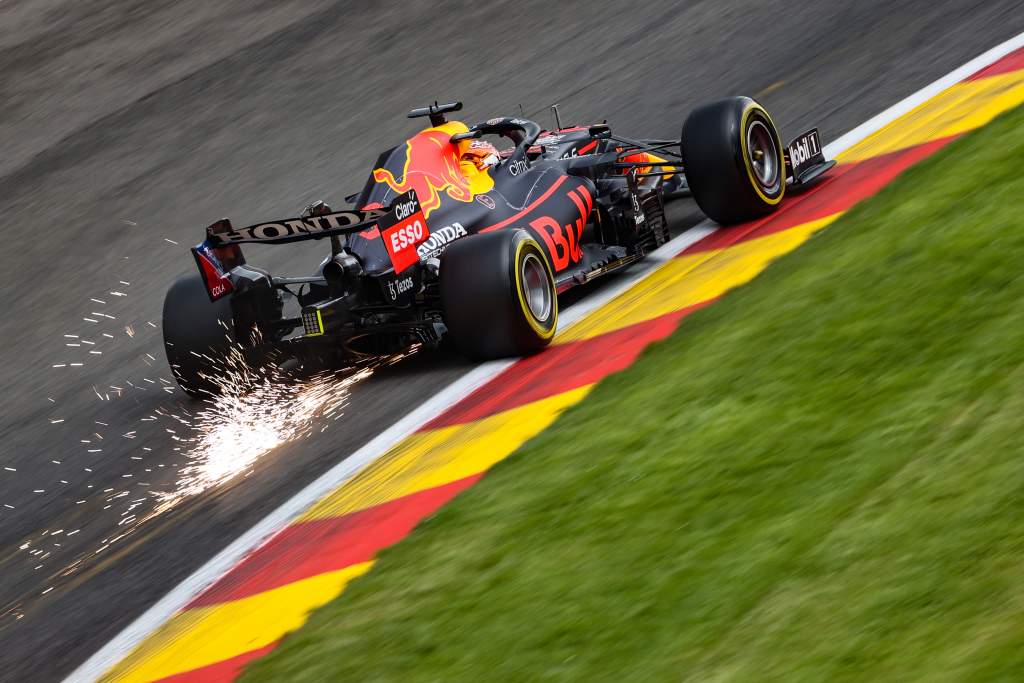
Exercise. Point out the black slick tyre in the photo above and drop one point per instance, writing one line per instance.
(733, 160)
(498, 295)
(197, 335)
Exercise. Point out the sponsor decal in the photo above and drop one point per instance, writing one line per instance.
(297, 227)
(404, 209)
(518, 166)
(631, 182)
(638, 214)
(577, 151)
(805, 150)
(408, 230)
(396, 288)
(564, 241)
(549, 139)
(431, 168)
(486, 201)
(494, 122)
(217, 282)
(439, 239)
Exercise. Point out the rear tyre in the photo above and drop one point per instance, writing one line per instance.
(198, 336)
(498, 295)
(732, 156)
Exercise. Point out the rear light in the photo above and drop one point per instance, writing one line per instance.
(322, 317)
(218, 284)
(312, 322)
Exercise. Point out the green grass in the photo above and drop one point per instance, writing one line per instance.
(820, 477)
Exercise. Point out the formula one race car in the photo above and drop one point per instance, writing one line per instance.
(441, 244)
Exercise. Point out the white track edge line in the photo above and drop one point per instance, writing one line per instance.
(154, 617)
(923, 95)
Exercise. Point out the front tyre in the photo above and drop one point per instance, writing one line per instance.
(733, 160)
(198, 336)
(498, 295)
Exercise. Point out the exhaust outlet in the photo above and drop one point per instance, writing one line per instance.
(341, 269)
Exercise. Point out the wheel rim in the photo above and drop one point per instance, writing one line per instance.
(764, 155)
(536, 287)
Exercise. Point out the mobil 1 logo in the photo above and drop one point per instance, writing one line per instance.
(805, 152)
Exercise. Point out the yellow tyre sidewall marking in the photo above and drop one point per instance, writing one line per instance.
(753, 108)
(537, 327)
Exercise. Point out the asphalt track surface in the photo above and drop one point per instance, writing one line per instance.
(129, 124)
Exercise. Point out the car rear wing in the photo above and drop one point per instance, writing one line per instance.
(222, 233)
(220, 252)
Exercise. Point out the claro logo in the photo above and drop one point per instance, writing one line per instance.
(405, 209)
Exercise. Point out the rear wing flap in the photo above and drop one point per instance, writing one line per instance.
(220, 252)
(222, 233)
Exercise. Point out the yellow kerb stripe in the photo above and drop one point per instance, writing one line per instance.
(690, 280)
(206, 635)
(441, 456)
(961, 108)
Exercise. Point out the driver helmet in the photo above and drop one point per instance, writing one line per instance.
(483, 154)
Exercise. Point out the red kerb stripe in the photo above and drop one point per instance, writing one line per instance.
(309, 548)
(221, 672)
(1011, 62)
(560, 368)
(844, 186)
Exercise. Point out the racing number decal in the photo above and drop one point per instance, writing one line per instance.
(564, 242)
(408, 232)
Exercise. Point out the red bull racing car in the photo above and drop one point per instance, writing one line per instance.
(448, 242)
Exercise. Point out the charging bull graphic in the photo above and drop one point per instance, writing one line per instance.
(432, 168)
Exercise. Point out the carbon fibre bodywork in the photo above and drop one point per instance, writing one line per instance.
(591, 218)
(592, 201)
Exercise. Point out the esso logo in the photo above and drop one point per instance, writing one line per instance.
(407, 235)
(401, 240)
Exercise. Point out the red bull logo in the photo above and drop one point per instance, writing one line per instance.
(432, 168)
